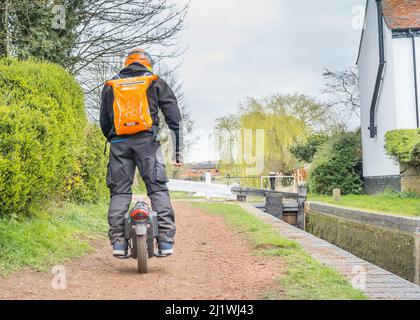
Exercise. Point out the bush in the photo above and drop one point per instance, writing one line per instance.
(42, 133)
(403, 145)
(305, 151)
(88, 181)
(338, 164)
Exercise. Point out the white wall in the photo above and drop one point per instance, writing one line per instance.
(404, 83)
(375, 161)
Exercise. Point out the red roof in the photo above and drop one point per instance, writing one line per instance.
(402, 14)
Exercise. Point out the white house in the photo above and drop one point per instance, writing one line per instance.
(389, 75)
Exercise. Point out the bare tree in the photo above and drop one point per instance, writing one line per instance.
(343, 88)
(89, 38)
(111, 27)
(82, 32)
(170, 75)
(315, 115)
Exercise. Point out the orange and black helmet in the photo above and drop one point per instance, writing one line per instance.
(140, 56)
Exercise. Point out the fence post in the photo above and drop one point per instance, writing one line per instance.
(302, 194)
(274, 204)
(241, 197)
(417, 256)
(336, 194)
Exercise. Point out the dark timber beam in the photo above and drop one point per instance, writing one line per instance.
(379, 77)
(416, 90)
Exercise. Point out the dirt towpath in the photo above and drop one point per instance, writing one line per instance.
(211, 262)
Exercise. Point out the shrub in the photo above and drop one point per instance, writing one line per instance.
(88, 181)
(42, 133)
(403, 145)
(338, 164)
(305, 151)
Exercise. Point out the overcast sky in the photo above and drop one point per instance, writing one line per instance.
(241, 48)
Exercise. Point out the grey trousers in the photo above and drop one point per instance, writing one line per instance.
(145, 154)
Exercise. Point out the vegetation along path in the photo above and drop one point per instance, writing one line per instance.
(223, 251)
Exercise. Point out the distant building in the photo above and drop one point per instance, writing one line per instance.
(301, 175)
(198, 170)
(389, 69)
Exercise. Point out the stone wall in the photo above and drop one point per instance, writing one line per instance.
(410, 179)
(379, 184)
(384, 240)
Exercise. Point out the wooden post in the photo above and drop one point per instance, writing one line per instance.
(302, 191)
(241, 198)
(417, 257)
(302, 194)
(336, 194)
(274, 204)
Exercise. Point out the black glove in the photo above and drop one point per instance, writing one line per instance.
(156, 135)
(178, 159)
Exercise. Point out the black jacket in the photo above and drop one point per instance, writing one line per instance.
(160, 97)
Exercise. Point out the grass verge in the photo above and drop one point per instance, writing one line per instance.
(47, 238)
(305, 278)
(388, 203)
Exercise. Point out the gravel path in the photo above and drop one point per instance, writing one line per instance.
(211, 262)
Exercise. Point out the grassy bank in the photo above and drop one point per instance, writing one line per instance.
(61, 233)
(305, 278)
(389, 203)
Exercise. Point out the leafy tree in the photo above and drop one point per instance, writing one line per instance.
(305, 151)
(338, 164)
(35, 30)
(318, 117)
(285, 120)
(90, 38)
(79, 33)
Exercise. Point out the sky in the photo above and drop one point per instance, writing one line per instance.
(256, 48)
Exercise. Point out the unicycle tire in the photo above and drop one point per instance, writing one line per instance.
(150, 243)
(142, 253)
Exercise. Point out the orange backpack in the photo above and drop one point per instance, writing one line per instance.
(131, 107)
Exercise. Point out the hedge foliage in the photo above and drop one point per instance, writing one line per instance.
(45, 140)
(87, 184)
(338, 164)
(404, 145)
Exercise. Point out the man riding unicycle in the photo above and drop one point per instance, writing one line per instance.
(129, 119)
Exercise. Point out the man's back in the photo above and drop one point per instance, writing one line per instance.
(139, 147)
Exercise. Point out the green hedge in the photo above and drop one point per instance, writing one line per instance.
(88, 181)
(338, 164)
(42, 133)
(404, 145)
